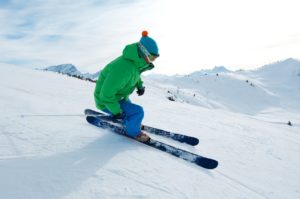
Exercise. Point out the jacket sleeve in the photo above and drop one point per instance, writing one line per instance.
(140, 83)
(113, 82)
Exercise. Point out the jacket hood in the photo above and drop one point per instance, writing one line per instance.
(130, 52)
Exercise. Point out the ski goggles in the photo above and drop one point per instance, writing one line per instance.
(148, 56)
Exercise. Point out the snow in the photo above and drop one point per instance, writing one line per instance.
(48, 150)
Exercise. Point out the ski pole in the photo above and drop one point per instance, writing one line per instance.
(56, 115)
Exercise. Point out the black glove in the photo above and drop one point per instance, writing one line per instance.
(119, 116)
(140, 91)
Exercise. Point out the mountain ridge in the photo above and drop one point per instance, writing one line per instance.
(274, 85)
(71, 70)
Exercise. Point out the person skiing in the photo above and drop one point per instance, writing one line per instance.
(120, 78)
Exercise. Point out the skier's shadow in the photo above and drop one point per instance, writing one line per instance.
(58, 175)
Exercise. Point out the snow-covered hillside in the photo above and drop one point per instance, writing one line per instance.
(52, 152)
(273, 86)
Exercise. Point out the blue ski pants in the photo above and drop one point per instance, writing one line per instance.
(134, 115)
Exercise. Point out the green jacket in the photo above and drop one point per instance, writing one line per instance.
(119, 79)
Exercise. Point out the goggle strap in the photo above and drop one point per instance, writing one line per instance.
(145, 52)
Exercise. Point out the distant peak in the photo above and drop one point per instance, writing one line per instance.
(283, 63)
(61, 66)
(214, 71)
(70, 69)
(220, 69)
(291, 60)
(64, 68)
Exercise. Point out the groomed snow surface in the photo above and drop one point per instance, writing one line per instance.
(48, 150)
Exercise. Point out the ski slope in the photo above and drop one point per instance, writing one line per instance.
(48, 150)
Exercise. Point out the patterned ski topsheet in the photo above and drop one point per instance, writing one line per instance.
(201, 161)
(175, 136)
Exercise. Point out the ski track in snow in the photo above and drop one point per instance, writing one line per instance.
(240, 184)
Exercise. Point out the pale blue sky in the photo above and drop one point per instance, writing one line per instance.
(191, 34)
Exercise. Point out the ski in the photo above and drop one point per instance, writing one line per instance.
(175, 136)
(201, 161)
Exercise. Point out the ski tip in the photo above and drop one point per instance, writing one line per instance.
(194, 142)
(91, 112)
(207, 163)
(90, 119)
(85, 111)
(190, 141)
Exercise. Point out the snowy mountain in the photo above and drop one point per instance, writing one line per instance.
(284, 73)
(214, 71)
(70, 69)
(274, 85)
(48, 150)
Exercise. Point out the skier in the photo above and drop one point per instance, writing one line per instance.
(120, 78)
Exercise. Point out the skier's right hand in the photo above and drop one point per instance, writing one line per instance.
(140, 91)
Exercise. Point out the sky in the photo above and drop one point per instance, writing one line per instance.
(191, 34)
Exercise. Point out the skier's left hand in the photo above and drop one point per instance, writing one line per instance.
(140, 91)
(120, 116)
